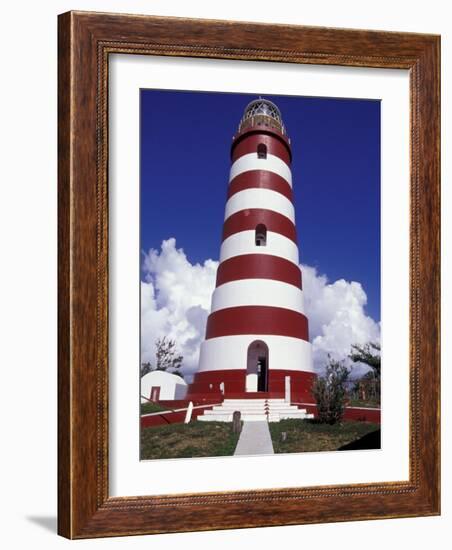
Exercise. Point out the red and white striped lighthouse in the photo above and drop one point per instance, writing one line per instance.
(257, 340)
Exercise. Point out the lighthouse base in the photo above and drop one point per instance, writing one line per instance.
(232, 384)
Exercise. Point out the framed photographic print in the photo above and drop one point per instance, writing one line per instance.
(234, 335)
(248, 274)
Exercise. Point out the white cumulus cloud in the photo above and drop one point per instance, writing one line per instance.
(175, 302)
(337, 318)
(176, 298)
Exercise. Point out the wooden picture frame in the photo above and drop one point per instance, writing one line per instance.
(86, 40)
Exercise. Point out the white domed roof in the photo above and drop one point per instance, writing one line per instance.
(158, 376)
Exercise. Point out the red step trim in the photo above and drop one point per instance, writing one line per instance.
(206, 385)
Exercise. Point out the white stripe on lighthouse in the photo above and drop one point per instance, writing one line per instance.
(231, 352)
(258, 292)
(251, 162)
(244, 243)
(260, 198)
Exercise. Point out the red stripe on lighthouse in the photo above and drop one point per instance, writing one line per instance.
(258, 266)
(257, 320)
(249, 143)
(260, 179)
(248, 219)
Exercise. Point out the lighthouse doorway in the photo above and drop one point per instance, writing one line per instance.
(257, 367)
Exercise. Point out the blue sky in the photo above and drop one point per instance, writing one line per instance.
(185, 144)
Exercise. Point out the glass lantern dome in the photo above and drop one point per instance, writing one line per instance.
(262, 112)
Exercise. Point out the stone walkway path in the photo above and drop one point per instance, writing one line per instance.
(254, 439)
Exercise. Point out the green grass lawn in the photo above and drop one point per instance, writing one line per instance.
(310, 436)
(149, 407)
(197, 439)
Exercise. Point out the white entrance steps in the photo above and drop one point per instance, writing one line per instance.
(272, 410)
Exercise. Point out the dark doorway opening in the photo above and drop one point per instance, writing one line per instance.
(257, 367)
(262, 374)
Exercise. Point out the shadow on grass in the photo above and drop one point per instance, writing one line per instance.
(310, 435)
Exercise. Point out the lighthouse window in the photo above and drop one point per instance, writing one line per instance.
(261, 151)
(261, 235)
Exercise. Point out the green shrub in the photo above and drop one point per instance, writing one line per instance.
(329, 391)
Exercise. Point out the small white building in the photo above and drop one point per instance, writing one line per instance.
(160, 385)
